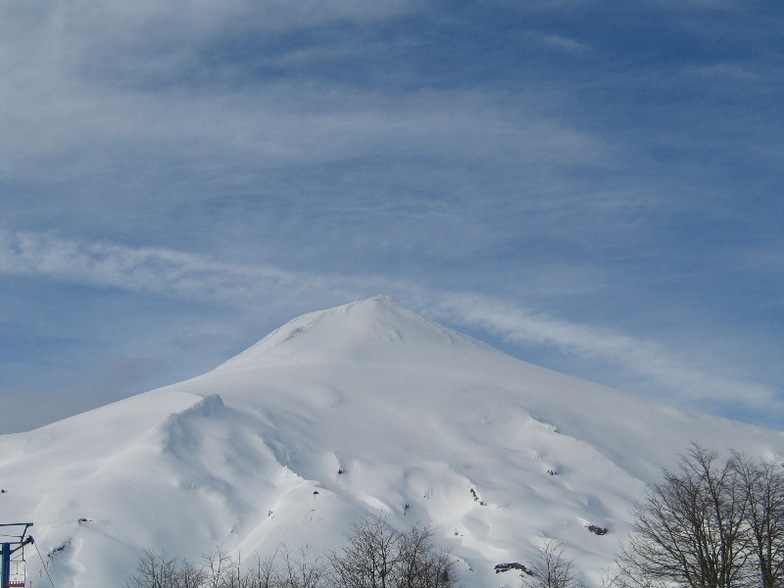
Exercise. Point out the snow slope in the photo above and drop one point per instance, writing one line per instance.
(362, 409)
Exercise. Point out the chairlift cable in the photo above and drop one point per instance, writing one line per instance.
(43, 563)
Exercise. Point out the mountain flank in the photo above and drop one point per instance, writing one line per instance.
(367, 409)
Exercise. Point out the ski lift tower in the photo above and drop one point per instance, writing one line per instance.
(8, 548)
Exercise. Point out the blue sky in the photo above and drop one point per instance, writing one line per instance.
(592, 186)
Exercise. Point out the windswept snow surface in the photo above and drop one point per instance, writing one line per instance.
(364, 409)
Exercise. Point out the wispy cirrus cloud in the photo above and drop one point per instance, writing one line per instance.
(149, 270)
(676, 378)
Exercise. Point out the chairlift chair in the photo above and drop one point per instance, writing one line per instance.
(18, 572)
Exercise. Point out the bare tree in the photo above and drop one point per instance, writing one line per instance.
(159, 570)
(763, 485)
(689, 531)
(550, 568)
(300, 572)
(710, 524)
(379, 556)
(421, 563)
(263, 574)
(220, 570)
(369, 557)
(190, 575)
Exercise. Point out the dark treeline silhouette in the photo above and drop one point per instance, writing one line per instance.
(375, 556)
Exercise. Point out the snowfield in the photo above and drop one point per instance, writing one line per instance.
(364, 409)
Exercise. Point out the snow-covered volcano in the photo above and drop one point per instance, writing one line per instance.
(362, 409)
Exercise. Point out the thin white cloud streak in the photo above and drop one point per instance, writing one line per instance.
(275, 126)
(646, 359)
(151, 270)
(176, 274)
(561, 43)
(166, 272)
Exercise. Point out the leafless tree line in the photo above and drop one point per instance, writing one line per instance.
(713, 523)
(375, 556)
